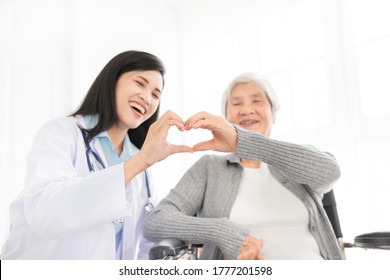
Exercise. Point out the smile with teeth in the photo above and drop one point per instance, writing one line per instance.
(244, 122)
(140, 109)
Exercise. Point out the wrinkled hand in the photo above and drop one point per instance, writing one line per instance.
(224, 134)
(251, 249)
(156, 147)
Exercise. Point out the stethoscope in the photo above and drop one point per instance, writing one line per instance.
(88, 152)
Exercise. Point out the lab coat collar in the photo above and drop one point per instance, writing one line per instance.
(91, 121)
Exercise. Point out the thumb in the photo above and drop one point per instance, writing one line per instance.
(204, 146)
(181, 149)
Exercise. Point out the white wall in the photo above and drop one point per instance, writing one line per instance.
(327, 60)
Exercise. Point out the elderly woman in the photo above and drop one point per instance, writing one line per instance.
(261, 201)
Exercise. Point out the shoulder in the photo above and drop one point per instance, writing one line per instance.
(213, 160)
(61, 123)
(59, 127)
(55, 138)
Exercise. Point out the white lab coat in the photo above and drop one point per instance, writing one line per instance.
(67, 212)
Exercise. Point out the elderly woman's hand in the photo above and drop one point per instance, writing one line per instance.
(250, 249)
(224, 133)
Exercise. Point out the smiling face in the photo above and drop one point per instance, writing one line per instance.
(137, 97)
(249, 107)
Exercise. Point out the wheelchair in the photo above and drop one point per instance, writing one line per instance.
(175, 249)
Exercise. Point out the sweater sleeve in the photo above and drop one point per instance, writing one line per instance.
(302, 164)
(175, 217)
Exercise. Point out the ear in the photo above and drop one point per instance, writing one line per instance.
(273, 118)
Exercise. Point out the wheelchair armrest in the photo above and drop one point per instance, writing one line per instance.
(373, 240)
(170, 248)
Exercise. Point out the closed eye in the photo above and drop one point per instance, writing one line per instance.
(156, 95)
(257, 100)
(141, 84)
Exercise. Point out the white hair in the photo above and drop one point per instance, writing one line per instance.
(248, 78)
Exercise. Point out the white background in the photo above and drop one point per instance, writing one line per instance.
(328, 61)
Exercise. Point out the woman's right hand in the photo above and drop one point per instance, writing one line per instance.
(250, 249)
(156, 147)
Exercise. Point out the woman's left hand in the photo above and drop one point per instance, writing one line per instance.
(224, 133)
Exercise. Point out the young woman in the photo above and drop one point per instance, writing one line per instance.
(87, 189)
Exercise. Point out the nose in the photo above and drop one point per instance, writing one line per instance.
(246, 110)
(146, 97)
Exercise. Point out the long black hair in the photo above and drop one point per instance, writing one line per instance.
(100, 98)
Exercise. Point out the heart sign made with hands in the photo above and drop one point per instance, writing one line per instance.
(156, 146)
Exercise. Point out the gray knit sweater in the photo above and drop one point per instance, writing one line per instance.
(209, 188)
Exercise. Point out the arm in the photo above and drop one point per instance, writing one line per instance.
(302, 164)
(62, 196)
(174, 216)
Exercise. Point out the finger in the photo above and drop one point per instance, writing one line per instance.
(175, 122)
(210, 122)
(259, 256)
(204, 123)
(166, 122)
(261, 243)
(172, 119)
(204, 146)
(175, 116)
(181, 149)
(195, 118)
